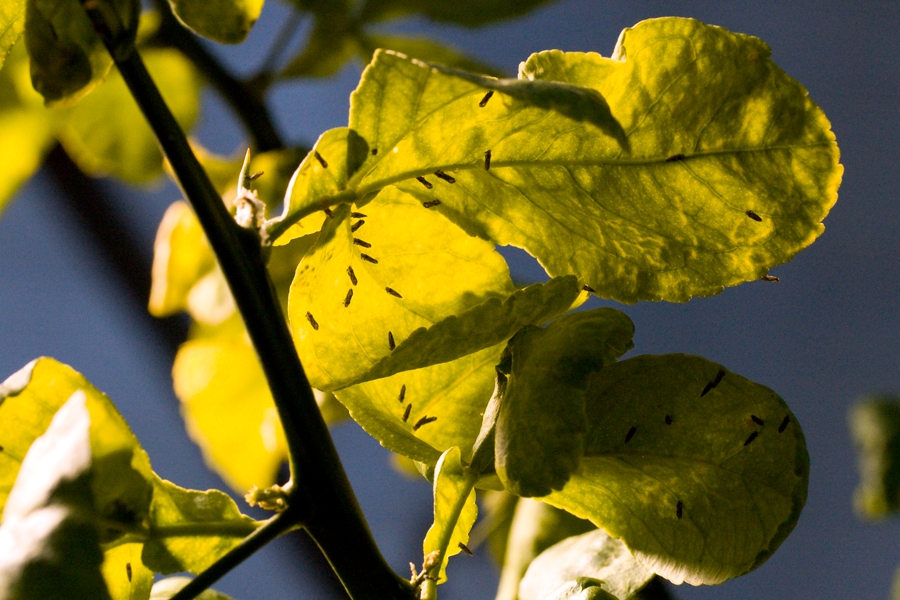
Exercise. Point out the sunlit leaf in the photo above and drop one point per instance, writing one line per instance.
(454, 393)
(612, 169)
(168, 587)
(182, 530)
(106, 133)
(699, 471)
(875, 425)
(12, 24)
(535, 527)
(49, 542)
(463, 12)
(592, 555)
(228, 408)
(25, 127)
(424, 49)
(125, 574)
(67, 56)
(454, 509)
(541, 423)
(224, 21)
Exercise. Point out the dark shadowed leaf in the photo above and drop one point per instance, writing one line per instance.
(463, 12)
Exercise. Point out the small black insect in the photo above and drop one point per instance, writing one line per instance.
(465, 549)
(392, 292)
(348, 297)
(487, 160)
(668, 420)
(128, 571)
(358, 215)
(770, 278)
(425, 420)
(356, 226)
(588, 288)
(445, 177)
(320, 159)
(630, 434)
(255, 176)
(431, 203)
(374, 151)
(402, 392)
(751, 437)
(679, 509)
(757, 420)
(424, 182)
(328, 212)
(312, 321)
(675, 158)
(484, 100)
(359, 242)
(1, 448)
(352, 275)
(391, 343)
(368, 258)
(784, 424)
(753, 215)
(713, 383)
(406, 412)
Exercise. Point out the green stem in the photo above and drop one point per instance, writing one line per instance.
(253, 542)
(322, 494)
(429, 586)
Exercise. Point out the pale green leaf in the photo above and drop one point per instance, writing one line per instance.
(424, 49)
(125, 574)
(875, 426)
(168, 587)
(592, 555)
(67, 56)
(699, 471)
(12, 24)
(106, 133)
(541, 421)
(224, 21)
(535, 526)
(455, 511)
(463, 12)
(454, 393)
(49, 542)
(712, 191)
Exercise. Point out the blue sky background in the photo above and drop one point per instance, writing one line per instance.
(824, 336)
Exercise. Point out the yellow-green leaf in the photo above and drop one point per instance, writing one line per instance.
(228, 408)
(106, 133)
(12, 24)
(611, 169)
(455, 512)
(454, 393)
(224, 21)
(125, 574)
(699, 471)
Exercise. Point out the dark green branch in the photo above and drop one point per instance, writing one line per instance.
(253, 542)
(322, 492)
(242, 98)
